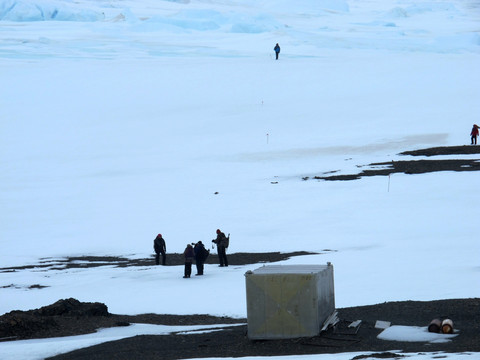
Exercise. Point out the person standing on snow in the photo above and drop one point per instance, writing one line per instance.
(474, 134)
(277, 51)
(222, 244)
(160, 248)
(201, 255)
(189, 256)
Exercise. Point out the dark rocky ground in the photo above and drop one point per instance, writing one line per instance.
(233, 342)
(416, 166)
(173, 259)
(69, 317)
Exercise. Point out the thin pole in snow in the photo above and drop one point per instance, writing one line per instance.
(388, 183)
(267, 138)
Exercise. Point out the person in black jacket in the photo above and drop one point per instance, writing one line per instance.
(201, 255)
(160, 248)
(222, 244)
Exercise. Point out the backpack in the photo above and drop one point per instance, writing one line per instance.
(227, 241)
(205, 254)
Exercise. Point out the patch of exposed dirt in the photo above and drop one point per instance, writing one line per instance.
(445, 150)
(173, 259)
(417, 166)
(70, 317)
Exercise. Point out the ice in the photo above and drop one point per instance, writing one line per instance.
(24, 11)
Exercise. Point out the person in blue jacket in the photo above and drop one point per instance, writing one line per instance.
(277, 51)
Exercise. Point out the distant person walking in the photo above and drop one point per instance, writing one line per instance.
(474, 134)
(201, 255)
(189, 255)
(160, 248)
(277, 51)
(222, 245)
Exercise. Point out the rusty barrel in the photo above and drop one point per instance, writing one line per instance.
(447, 326)
(435, 326)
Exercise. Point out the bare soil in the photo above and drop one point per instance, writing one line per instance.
(234, 342)
(70, 317)
(173, 259)
(416, 166)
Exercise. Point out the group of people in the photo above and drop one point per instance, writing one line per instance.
(198, 253)
(194, 252)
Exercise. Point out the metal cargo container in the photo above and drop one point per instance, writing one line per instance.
(289, 301)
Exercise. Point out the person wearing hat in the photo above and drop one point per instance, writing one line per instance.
(189, 255)
(474, 134)
(222, 244)
(160, 248)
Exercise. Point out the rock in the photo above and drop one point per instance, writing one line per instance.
(23, 324)
(73, 307)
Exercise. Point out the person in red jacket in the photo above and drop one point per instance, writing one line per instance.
(474, 134)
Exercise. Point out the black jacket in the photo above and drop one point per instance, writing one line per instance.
(201, 253)
(159, 245)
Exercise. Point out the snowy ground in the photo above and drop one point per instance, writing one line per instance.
(121, 119)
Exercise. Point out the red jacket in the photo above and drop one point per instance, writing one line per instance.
(474, 131)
